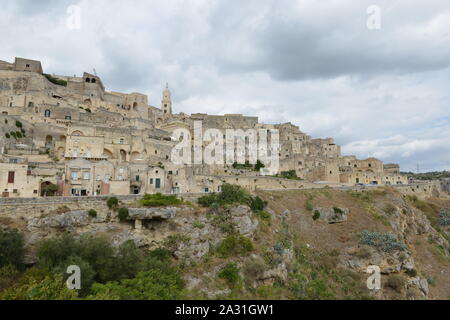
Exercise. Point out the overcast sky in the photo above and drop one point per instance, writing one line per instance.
(379, 92)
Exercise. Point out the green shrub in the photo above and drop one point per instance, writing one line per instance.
(264, 215)
(395, 282)
(259, 165)
(18, 134)
(123, 214)
(11, 248)
(197, 224)
(316, 215)
(92, 213)
(230, 273)
(159, 200)
(234, 245)
(444, 218)
(291, 174)
(309, 206)
(98, 259)
(56, 81)
(257, 204)
(230, 194)
(412, 273)
(112, 203)
(385, 241)
(338, 210)
(18, 124)
(7, 135)
(253, 269)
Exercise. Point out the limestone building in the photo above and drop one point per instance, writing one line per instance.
(71, 132)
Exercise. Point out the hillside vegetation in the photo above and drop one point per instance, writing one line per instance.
(305, 244)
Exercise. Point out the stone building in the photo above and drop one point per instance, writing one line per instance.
(71, 132)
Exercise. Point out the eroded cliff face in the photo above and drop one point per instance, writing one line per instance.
(307, 244)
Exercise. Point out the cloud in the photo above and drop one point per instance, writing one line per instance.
(379, 93)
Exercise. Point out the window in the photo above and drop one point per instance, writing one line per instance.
(47, 113)
(151, 180)
(68, 118)
(28, 65)
(137, 178)
(122, 141)
(206, 190)
(11, 176)
(74, 175)
(86, 176)
(158, 183)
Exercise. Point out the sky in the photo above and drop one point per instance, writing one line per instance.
(376, 79)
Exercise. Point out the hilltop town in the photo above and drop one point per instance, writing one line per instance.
(88, 178)
(69, 136)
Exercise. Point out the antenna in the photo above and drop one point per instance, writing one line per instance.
(95, 72)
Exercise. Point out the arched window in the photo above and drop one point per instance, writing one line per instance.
(88, 80)
(47, 113)
(93, 81)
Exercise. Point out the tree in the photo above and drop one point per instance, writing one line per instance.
(39, 285)
(49, 189)
(11, 248)
(155, 284)
(259, 165)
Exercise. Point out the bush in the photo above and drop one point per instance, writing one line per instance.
(18, 134)
(18, 124)
(56, 81)
(385, 241)
(264, 215)
(257, 204)
(444, 218)
(316, 215)
(11, 248)
(259, 165)
(253, 269)
(230, 273)
(159, 200)
(49, 190)
(98, 259)
(230, 194)
(338, 210)
(234, 245)
(39, 285)
(309, 206)
(291, 174)
(412, 273)
(7, 135)
(112, 203)
(92, 213)
(123, 214)
(396, 282)
(197, 224)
